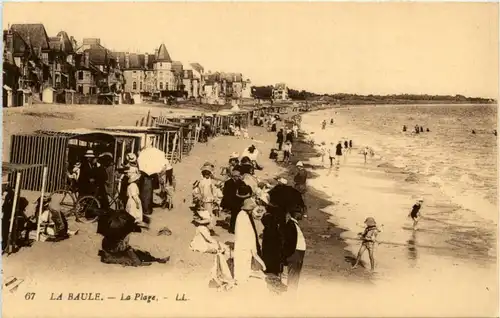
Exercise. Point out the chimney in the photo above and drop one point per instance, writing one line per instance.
(156, 53)
(146, 57)
(10, 41)
(127, 60)
(87, 59)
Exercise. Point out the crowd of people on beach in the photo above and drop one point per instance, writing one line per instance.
(237, 199)
(234, 199)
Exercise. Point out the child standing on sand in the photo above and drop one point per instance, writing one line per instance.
(368, 238)
(287, 151)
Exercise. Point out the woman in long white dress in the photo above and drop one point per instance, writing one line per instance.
(134, 205)
(245, 243)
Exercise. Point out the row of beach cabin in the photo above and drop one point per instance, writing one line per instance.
(174, 135)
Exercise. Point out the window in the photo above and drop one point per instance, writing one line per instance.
(80, 89)
(45, 58)
(80, 75)
(134, 85)
(166, 86)
(161, 85)
(160, 65)
(140, 86)
(134, 72)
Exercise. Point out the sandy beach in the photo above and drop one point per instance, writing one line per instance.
(410, 281)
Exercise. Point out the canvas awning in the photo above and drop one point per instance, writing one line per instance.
(8, 168)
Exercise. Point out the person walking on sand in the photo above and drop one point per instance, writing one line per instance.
(287, 151)
(331, 153)
(279, 139)
(323, 125)
(322, 152)
(294, 249)
(415, 212)
(350, 145)
(207, 190)
(368, 238)
(338, 152)
(246, 243)
(300, 181)
(295, 130)
(366, 150)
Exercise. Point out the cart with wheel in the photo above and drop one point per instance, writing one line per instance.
(61, 150)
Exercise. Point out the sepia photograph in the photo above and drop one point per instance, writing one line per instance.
(250, 159)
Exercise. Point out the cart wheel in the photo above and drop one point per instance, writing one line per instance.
(63, 201)
(86, 207)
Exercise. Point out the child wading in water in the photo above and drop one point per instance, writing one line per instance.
(415, 212)
(368, 237)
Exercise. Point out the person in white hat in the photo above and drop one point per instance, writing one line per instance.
(246, 243)
(368, 239)
(203, 241)
(205, 190)
(86, 180)
(134, 205)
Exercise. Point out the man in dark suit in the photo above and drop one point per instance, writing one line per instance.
(294, 249)
(230, 201)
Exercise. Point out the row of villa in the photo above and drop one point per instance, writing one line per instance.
(38, 68)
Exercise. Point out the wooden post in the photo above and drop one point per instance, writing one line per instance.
(13, 213)
(147, 118)
(142, 121)
(39, 219)
(136, 123)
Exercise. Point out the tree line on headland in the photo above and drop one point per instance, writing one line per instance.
(266, 93)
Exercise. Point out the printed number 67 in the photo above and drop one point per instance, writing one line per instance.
(29, 296)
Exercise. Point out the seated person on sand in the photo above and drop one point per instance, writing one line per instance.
(21, 223)
(115, 249)
(54, 224)
(203, 241)
(252, 153)
(226, 172)
(273, 155)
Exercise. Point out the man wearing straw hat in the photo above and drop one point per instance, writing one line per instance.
(87, 179)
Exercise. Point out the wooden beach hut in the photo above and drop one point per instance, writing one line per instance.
(164, 138)
(57, 151)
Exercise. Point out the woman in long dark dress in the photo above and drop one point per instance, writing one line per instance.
(271, 244)
(146, 193)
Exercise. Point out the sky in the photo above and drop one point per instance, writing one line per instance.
(323, 47)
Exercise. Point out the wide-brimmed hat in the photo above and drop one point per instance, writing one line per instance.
(89, 154)
(234, 155)
(207, 166)
(106, 154)
(249, 204)
(244, 192)
(370, 221)
(131, 157)
(300, 164)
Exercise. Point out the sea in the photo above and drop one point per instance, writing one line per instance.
(452, 168)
